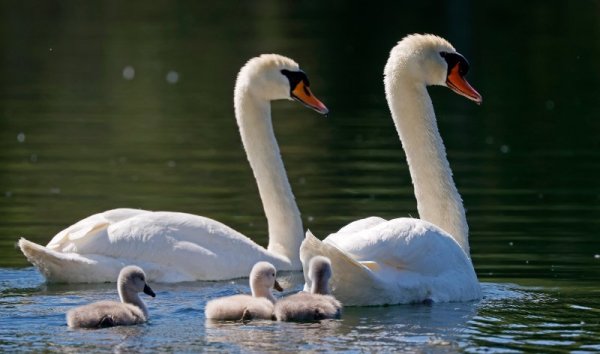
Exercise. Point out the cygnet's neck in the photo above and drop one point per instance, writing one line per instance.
(129, 296)
(258, 290)
(438, 200)
(253, 116)
(320, 286)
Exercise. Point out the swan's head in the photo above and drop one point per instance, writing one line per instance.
(275, 77)
(431, 60)
(133, 279)
(264, 277)
(319, 272)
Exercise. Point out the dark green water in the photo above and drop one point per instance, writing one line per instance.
(77, 137)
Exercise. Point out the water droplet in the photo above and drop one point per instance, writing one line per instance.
(55, 190)
(21, 137)
(8, 194)
(510, 243)
(172, 77)
(597, 256)
(128, 72)
(171, 163)
(311, 219)
(504, 149)
(50, 49)
(526, 262)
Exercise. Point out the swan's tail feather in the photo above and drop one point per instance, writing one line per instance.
(66, 267)
(349, 276)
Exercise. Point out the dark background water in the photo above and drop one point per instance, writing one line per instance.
(78, 137)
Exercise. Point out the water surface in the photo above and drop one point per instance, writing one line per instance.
(106, 105)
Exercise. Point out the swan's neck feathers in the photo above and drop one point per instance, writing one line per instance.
(132, 297)
(438, 200)
(253, 116)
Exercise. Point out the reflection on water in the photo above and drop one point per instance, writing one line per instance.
(105, 104)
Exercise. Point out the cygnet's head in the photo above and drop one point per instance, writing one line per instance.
(133, 279)
(319, 272)
(275, 77)
(431, 60)
(263, 277)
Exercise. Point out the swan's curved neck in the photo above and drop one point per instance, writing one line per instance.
(253, 116)
(132, 297)
(438, 200)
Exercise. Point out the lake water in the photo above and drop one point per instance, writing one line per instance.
(107, 104)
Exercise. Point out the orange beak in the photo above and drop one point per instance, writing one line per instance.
(302, 93)
(458, 84)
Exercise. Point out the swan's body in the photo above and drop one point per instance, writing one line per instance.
(175, 247)
(313, 306)
(246, 307)
(131, 310)
(408, 260)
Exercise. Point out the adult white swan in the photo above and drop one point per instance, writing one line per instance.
(376, 261)
(174, 247)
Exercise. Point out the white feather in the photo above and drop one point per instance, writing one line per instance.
(175, 247)
(408, 260)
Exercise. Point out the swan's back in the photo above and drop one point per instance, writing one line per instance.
(170, 246)
(304, 306)
(238, 307)
(105, 314)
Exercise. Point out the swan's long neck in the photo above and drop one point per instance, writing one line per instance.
(438, 200)
(285, 226)
(132, 297)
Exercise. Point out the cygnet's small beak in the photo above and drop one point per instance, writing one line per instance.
(457, 83)
(302, 93)
(277, 286)
(149, 291)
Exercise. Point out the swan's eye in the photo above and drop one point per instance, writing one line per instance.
(295, 77)
(453, 59)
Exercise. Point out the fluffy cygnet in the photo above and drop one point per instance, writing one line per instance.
(246, 307)
(131, 310)
(317, 304)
